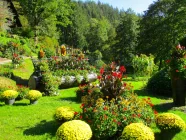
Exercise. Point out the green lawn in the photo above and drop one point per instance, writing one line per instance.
(35, 122)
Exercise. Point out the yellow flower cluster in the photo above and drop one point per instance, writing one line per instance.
(137, 131)
(74, 130)
(9, 94)
(170, 121)
(33, 95)
(64, 113)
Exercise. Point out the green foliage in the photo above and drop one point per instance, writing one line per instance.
(75, 129)
(6, 71)
(9, 94)
(6, 18)
(143, 65)
(137, 131)
(160, 83)
(162, 27)
(126, 37)
(33, 95)
(88, 93)
(7, 84)
(170, 122)
(64, 114)
(50, 83)
(49, 52)
(22, 90)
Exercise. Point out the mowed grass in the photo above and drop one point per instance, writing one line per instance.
(34, 122)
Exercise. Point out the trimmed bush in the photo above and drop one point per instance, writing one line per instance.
(74, 130)
(64, 114)
(7, 84)
(137, 131)
(33, 95)
(170, 122)
(160, 83)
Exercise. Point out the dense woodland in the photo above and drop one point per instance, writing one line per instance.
(105, 32)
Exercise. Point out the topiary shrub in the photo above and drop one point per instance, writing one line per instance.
(74, 130)
(160, 83)
(137, 131)
(64, 114)
(7, 84)
(170, 122)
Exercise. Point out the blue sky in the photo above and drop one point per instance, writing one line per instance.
(137, 5)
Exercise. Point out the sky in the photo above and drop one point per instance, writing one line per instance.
(137, 5)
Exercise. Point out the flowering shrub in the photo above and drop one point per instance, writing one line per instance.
(50, 84)
(178, 62)
(137, 131)
(9, 94)
(33, 95)
(170, 122)
(64, 114)
(110, 81)
(88, 94)
(23, 90)
(16, 59)
(109, 117)
(74, 130)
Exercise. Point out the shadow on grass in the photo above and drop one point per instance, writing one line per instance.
(164, 107)
(144, 92)
(21, 104)
(43, 127)
(72, 99)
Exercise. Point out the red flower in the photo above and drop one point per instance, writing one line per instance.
(148, 98)
(185, 67)
(80, 117)
(89, 91)
(125, 118)
(155, 112)
(122, 69)
(108, 77)
(115, 120)
(167, 61)
(125, 109)
(105, 108)
(89, 121)
(114, 74)
(139, 115)
(119, 123)
(75, 113)
(151, 104)
(177, 70)
(125, 84)
(99, 77)
(119, 75)
(133, 115)
(101, 71)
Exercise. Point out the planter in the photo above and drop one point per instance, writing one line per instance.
(33, 102)
(179, 90)
(73, 82)
(9, 101)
